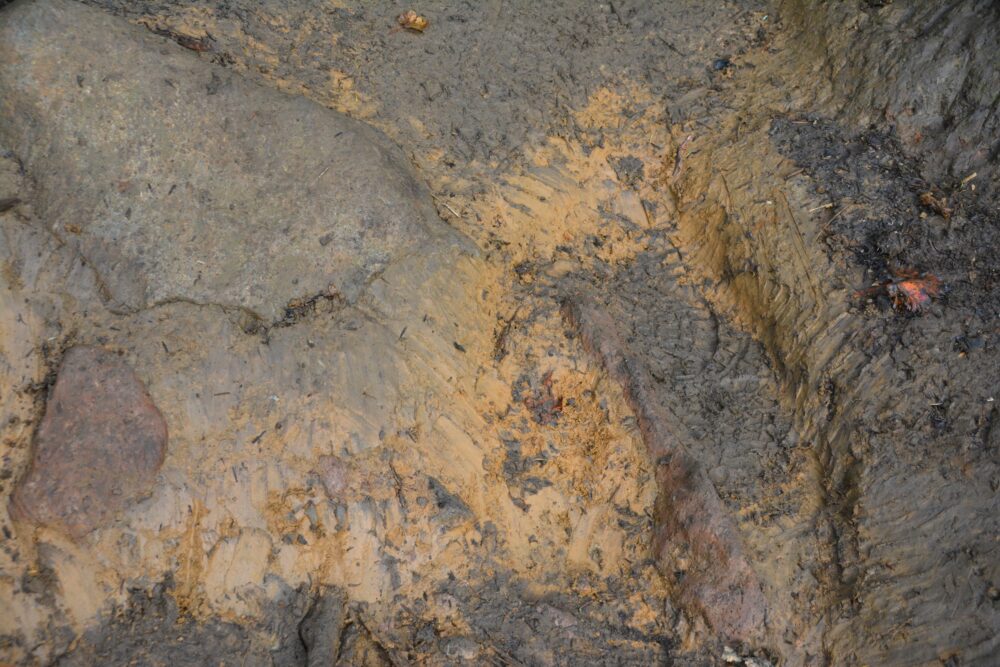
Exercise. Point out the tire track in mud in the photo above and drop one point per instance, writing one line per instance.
(891, 416)
(696, 539)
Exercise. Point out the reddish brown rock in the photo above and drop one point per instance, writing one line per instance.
(98, 448)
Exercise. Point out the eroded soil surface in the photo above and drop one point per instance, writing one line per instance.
(590, 342)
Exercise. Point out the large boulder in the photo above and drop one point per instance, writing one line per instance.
(180, 181)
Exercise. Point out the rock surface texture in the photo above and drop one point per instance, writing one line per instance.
(98, 447)
(181, 182)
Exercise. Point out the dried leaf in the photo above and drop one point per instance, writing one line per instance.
(914, 294)
(907, 290)
(410, 20)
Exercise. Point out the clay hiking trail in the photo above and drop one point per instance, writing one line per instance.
(500, 333)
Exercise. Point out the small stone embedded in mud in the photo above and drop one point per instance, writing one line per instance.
(721, 64)
(333, 472)
(98, 448)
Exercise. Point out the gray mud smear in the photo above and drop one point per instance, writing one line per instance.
(486, 80)
(810, 245)
(927, 71)
(923, 416)
(882, 224)
(695, 537)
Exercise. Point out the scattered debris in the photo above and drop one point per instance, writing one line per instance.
(629, 170)
(8, 203)
(299, 308)
(908, 290)
(410, 20)
(199, 44)
(545, 406)
(937, 204)
(447, 206)
(965, 344)
(500, 339)
(731, 657)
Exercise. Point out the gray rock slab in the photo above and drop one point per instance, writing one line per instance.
(178, 180)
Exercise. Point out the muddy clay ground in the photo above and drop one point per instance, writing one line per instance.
(557, 333)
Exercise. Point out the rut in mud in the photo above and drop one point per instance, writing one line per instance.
(561, 335)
